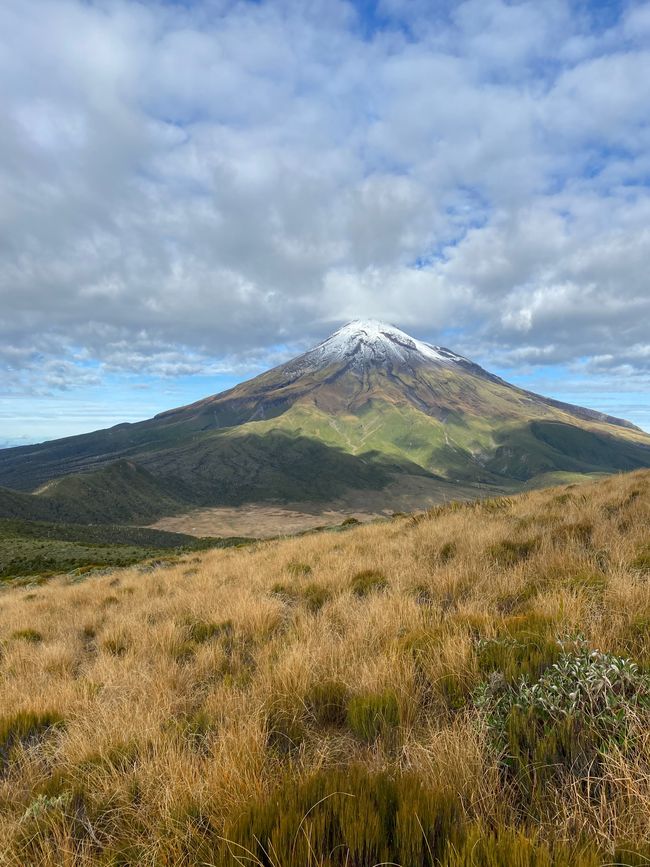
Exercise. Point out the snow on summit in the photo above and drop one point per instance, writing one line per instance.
(368, 341)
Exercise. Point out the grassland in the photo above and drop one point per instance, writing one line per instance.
(449, 689)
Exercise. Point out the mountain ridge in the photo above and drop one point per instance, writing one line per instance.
(365, 406)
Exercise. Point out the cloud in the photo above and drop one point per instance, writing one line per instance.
(187, 187)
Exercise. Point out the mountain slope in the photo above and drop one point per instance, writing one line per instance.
(361, 408)
(468, 689)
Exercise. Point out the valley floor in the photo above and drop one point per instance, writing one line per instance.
(263, 521)
(466, 688)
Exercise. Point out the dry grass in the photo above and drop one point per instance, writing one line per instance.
(187, 693)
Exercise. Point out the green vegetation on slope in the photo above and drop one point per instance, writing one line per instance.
(224, 467)
(37, 549)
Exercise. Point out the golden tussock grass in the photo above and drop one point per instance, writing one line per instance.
(160, 704)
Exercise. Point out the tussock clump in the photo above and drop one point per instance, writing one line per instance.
(315, 596)
(510, 552)
(327, 702)
(580, 532)
(195, 729)
(447, 552)
(110, 600)
(285, 726)
(120, 756)
(199, 631)
(373, 715)
(368, 581)
(642, 561)
(312, 595)
(25, 729)
(423, 595)
(483, 847)
(32, 636)
(116, 645)
(587, 580)
(298, 569)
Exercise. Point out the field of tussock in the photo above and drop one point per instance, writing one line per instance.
(466, 687)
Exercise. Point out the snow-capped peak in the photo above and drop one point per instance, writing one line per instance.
(366, 341)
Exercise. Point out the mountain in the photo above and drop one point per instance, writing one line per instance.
(368, 407)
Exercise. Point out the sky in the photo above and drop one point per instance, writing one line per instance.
(194, 191)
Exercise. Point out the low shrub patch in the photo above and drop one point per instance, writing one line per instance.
(525, 646)
(346, 818)
(559, 724)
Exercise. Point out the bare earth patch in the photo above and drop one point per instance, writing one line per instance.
(262, 521)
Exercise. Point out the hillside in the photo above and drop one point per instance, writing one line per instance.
(368, 409)
(31, 551)
(470, 686)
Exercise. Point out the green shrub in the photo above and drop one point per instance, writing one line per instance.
(30, 635)
(327, 702)
(48, 818)
(559, 725)
(25, 728)
(509, 552)
(42, 805)
(372, 715)
(524, 646)
(346, 818)
(368, 581)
